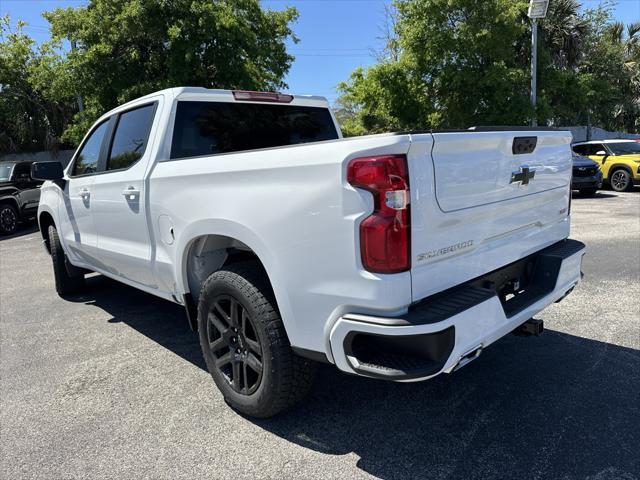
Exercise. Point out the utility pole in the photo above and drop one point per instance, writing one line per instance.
(537, 9)
(78, 97)
(534, 70)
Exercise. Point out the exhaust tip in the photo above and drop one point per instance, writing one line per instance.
(468, 357)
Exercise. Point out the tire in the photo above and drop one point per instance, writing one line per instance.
(8, 219)
(588, 191)
(253, 366)
(620, 180)
(66, 283)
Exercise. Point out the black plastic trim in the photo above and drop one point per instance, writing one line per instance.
(437, 308)
(539, 266)
(498, 128)
(311, 354)
(191, 310)
(399, 357)
(522, 145)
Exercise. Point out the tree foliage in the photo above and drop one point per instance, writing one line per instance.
(467, 62)
(128, 48)
(30, 118)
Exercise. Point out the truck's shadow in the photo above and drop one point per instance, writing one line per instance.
(559, 406)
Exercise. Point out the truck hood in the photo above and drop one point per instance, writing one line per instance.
(581, 161)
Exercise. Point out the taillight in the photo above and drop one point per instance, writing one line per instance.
(385, 234)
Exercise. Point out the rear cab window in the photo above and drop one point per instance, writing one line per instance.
(210, 128)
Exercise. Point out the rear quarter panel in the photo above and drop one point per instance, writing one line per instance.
(293, 208)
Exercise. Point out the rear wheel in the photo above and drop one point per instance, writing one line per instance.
(8, 219)
(66, 283)
(588, 191)
(621, 180)
(245, 345)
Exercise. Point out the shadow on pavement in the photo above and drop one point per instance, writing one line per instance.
(162, 321)
(24, 229)
(598, 194)
(558, 406)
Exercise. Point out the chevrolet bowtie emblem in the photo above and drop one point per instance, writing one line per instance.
(523, 175)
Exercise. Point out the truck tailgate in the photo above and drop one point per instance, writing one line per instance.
(481, 200)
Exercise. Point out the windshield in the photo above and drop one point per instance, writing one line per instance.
(5, 171)
(625, 148)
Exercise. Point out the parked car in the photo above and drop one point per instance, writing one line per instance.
(19, 195)
(587, 176)
(397, 256)
(618, 159)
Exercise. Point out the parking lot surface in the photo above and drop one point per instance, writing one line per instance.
(111, 384)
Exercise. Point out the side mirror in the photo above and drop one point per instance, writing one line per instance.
(47, 171)
(601, 152)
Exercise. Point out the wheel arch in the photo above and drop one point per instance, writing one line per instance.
(619, 166)
(207, 246)
(12, 201)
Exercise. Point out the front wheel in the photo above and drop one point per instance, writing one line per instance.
(588, 191)
(66, 283)
(621, 181)
(245, 345)
(8, 219)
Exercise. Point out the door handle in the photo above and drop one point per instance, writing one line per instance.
(131, 192)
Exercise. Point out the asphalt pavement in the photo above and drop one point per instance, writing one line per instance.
(111, 384)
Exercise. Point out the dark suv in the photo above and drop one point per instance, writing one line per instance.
(587, 176)
(19, 195)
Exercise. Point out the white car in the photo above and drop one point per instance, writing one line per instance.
(396, 256)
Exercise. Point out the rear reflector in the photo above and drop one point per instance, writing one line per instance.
(385, 234)
(249, 96)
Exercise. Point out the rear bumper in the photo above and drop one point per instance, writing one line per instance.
(443, 332)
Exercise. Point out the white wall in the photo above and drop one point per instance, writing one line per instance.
(580, 134)
(63, 156)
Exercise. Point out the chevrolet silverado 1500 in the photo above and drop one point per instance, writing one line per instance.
(395, 256)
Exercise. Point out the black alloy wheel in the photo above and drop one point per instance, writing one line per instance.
(234, 344)
(8, 219)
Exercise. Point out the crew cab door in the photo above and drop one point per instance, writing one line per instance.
(120, 200)
(29, 189)
(76, 222)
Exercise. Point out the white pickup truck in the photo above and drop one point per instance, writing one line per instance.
(396, 256)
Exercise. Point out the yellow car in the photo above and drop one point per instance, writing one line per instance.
(619, 161)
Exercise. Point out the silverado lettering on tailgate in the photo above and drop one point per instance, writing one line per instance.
(444, 250)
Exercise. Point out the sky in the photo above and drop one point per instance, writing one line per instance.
(336, 36)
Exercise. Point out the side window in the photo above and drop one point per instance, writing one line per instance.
(580, 149)
(22, 172)
(130, 138)
(592, 149)
(87, 158)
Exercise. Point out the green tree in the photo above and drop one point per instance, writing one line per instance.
(459, 63)
(30, 119)
(128, 48)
